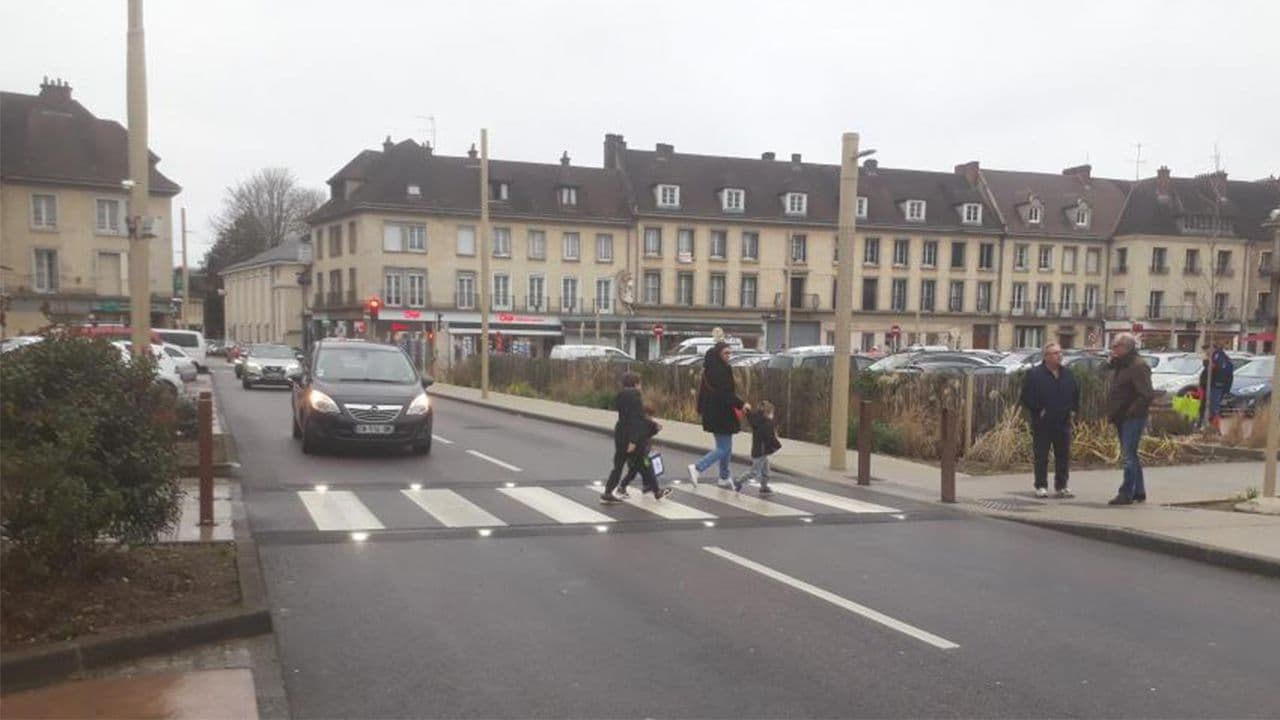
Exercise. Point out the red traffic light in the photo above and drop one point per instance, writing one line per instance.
(372, 305)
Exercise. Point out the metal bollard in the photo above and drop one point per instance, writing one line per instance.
(204, 410)
(864, 442)
(947, 450)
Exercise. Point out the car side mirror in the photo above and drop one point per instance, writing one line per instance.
(427, 381)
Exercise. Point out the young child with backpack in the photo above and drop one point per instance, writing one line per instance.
(764, 442)
(632, 436)
(633, 469)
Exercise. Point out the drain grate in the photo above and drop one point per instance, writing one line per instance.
(481, 427)
(1006, 504)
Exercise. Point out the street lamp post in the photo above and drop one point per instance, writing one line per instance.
(484, 263)
(1273, 417)
(844, 300)
(138, 185)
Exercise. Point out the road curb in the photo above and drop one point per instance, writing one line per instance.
(1164, 545)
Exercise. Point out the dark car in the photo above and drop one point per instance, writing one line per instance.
(361, 393)
(268, 365)
(1250, 386)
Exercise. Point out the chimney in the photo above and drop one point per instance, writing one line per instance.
(57, 90)
(870, 166)
(1083, 172)
(795, 158)
(1162, 181)
(387, 145)
(665, 150)
(614, 148)
(472, 153)
(564, 159)
(426, 148)
(970, 172)
(768, 156)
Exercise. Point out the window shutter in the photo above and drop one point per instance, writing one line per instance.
(392, 238)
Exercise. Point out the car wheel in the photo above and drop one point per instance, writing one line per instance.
(246, 384)
(308, 443)
(297, 429)
(422, 448)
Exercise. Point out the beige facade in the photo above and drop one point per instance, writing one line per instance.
(264, 302)
(65, 255)
(1052, 290)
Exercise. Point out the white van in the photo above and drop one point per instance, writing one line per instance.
(191, 342)
(698, 346)
(589, 352)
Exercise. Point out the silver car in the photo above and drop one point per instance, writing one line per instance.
(186, 366)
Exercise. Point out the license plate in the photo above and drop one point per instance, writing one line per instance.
(275, 371)
(375, 429)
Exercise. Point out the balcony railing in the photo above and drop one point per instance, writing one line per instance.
(1224, 271)
(1120, 270)
(466, 301)
(1159, 269)
(1191, 270)
(801, 301)
(1117, 312)
(1264, 269)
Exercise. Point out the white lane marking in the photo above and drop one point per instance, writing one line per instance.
(338, 510)
(830, 499)
(439, 439)
(452, 509)
(742, 502)
(666, 508)
(558, 508)
(840, 602)
(494, 460)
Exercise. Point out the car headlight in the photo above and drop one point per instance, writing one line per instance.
(253, 367)
(1251, 389)
(292, 367)
(322, 403)
(419, 406)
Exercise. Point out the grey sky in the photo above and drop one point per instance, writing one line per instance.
(236, 85)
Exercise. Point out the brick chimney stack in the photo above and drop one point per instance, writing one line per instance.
(770, 156)
(1083, 172)
(614, 149)
(564, 159)
(969, 171)
(473, 153)
(1162, 181)
(57, 90)
(665, 150)
(387, 145)
(870, 166)
(795, 159)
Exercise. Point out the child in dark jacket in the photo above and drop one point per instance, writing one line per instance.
(631, 436)
(653, 427)
(764, 442)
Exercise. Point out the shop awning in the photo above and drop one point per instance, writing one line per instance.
(508, 332)
(1260, 337)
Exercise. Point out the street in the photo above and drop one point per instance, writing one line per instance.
(487, 581)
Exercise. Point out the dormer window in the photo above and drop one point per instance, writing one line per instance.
(972, 213)
(862, 207)
(668, 196)
(414, 191)
(568, 196)
(1082, 214)
(733, 200)
(500, 191)
(1035, 214)
(915, 210)
(797, 203)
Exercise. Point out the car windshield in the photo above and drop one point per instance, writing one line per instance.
(174, 352)
(1260, 368)
(365, 365)
(271, 352)
(1014, 359)
(1182, 365)
(181, 339)
(893, 362)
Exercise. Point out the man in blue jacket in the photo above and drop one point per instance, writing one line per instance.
(1051, 396)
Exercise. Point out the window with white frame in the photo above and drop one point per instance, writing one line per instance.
(915, 210)
(537, 299)
(1069, 260)
(719, 244)
(1044, 297)
(604, 295)
(466, 240)
(653, 242)
(604, 248)
(957, 254)
(733, 200)
(861, 210)
(500, 191)
(1046, 257)
(571, 246)
(537, 245)
(799, 248)
(955, 296)
(898, 294)
(502, 242)
(502, 291)
(797, 203)
(930, 255)
(987, 256)
(652, 287)
(972, 213)
(928, 295)
(901, 252)
(684, 288)
(45, 262)
(871, 252)
(1155, 304)
(668, 196)
(984, 297)
(416, 283)
(1018, 298)
(44, 211)
(466, 291)
(1021, 256)
(749, 291)
(1091, 294)
(392, 288)
(1082, 215)
(1066, 299)
(1028, 336)
(684, 245)
(716, 288)
(569, 196)
(110, 216)
(569, 294)
(1093, 261)
(1035, 212)
(750, 245)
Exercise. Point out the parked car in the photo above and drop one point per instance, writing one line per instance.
(1174, 373)
(268, 364)
(1023, 359)
(186, 367)
(19, 341)
(191, 342)
(1089, 361)
(362, 393)
(1251, 386)
(589, 352)
(748, 358)
(952, 366)
(166, 369)
(696, 346)
(816, 356)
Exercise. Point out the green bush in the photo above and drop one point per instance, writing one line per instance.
(187, 419)
(88, 454)
(885, 438)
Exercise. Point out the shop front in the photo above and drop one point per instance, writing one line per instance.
(528, 335)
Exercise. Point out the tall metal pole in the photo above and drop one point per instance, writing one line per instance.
(484, 263)
(1273, 417)
(186, 272)
(844, 302)
(139, 192)
(786, 293)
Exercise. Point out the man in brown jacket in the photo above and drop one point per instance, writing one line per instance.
(1127, 406)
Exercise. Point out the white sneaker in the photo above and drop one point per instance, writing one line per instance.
(693, 475)
(725, 484)
(1065, 493)
(1042, 492)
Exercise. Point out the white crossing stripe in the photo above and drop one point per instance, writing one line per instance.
(741, 501)
(830, 499)
(666, 507)
(558, 508)
(338, 510)
(494, 460)
(840, 602)
(439, 439)
(452, 509)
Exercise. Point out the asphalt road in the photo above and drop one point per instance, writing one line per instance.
(497, 593)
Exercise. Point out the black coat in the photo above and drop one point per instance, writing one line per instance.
(1049, 401)
(718, 397)
(632, 426)
(764, 434)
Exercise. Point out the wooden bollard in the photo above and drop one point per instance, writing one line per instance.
(204, 412)
(947, 450)
(864, 442)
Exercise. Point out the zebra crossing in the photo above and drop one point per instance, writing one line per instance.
(363, 510)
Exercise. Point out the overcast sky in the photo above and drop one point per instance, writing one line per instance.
(236, 85)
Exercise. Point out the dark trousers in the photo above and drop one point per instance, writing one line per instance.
(636, 463)
(1059, 438)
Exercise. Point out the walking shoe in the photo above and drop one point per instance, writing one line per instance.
(737, 484)
(1042, 492)
(693, 475)
(1120, 500)
(765, 490)
(1139, 498)
(1065, 493)
(622, 494)
(661, 493)
(608, 499)
(725, 485)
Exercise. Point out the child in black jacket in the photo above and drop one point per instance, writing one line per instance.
(653, 427)
(764, 442)
(631, 436)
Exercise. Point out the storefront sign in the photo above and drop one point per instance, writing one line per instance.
(526, 319)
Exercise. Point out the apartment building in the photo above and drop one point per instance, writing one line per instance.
(64, 244)
(263, 301)
(1190, 253)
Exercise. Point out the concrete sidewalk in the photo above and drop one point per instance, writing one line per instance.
(1243, 540)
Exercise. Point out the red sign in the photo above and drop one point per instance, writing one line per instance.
(658, 330)
(399, 327)
(412, 314)
(1137, 327)
(895, 330)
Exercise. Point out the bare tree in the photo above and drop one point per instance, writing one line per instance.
(272, 203)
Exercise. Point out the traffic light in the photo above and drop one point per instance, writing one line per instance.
(372, 306)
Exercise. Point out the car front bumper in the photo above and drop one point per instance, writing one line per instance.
(342, 428)
(265, 376)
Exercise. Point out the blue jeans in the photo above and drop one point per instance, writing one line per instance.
(1215, 402)
(722, 454)
(1130, 435)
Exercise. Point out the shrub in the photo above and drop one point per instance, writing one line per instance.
(187, 423)
(522, 389)
(88, 453)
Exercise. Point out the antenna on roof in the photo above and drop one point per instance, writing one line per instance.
(1217, 158)
(430, 126)
(1138, 162)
